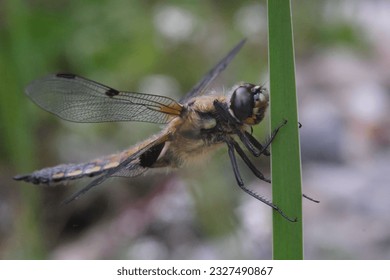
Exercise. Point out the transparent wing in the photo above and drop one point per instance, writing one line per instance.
(199, 88)
(77, 99)
(126, 167)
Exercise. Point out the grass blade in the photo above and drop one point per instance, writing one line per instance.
(286, 163)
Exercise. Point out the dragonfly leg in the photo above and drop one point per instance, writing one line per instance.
(240, 183)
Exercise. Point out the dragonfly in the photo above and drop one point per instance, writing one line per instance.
(197, 124)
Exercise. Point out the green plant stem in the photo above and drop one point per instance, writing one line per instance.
(285, 163)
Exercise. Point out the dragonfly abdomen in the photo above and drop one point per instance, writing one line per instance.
(66, 172)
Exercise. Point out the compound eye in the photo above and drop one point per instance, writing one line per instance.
(242, 103)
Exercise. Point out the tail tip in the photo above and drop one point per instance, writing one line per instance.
(28, 178)
(22, 177)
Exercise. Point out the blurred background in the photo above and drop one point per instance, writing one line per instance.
(165, 47)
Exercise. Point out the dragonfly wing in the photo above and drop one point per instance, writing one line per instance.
(134, 164)
(77, 99)
(207, 79)
(94, 168)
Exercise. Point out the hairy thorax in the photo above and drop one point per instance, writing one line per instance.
(194, 134)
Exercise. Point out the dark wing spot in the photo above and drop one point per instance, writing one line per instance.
(66, 76)
(112, 92)
(148, 158)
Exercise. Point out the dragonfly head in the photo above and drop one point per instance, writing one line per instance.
(249, 102)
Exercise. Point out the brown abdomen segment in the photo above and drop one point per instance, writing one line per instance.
(65, 172)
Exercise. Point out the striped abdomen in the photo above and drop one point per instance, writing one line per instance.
(142, 157)
(65, 172)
